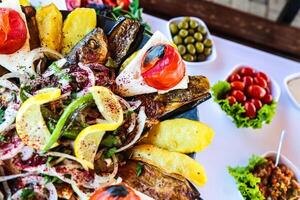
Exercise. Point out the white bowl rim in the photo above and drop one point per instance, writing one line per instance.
(286, 80)
(212, 57)
(286, 161)
(276, 91)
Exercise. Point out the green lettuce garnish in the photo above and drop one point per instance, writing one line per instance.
(247, 183)
(237, 111)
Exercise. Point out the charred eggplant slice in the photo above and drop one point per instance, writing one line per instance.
(124, 38)
(162, 106)
(155, 183)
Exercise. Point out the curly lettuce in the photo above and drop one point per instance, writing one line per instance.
(237, 111)
(247, 183)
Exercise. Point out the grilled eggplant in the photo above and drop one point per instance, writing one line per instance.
(157, 184)
(161, 106)
(92, 48)
(124, 38)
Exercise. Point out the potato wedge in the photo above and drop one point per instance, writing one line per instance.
(171, 162)
(79, 22)
(49, 21)
(180, 135)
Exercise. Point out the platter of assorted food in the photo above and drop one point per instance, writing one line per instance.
(94, 105)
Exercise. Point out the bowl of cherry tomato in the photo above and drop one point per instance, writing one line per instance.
(247, 95)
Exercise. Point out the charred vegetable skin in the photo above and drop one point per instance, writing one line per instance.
(151, 177)
(124, 38)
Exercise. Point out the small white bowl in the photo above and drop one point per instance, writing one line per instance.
(275, 89)
(210, 58)
(284, 160)
(286, 81)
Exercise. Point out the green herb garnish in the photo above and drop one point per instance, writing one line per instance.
(52, 179)
(27, 194)
(110, 141)
(2, 138)
(246, 181)
(2, 116)
(139, 168)
(237, 111)
(110, 152)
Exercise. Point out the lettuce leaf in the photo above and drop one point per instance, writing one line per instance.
(237, 111)
(247, 183)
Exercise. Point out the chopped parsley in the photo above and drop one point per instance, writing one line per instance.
(139, 169)
(1, 116)
(2, 138)
(27, 193)
(52, 179)
(110, 152)
(111, 140)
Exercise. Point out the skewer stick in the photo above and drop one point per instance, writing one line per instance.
(279, 148)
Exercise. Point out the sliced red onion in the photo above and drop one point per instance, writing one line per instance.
(5, 185)
(64, 155)
(135, 104)
(27, 152)
(7, 84)
(14, 176)
(132, 123)
(141, 118)
(91, 76)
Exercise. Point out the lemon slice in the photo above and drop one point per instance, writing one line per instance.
(87, 142)
(30, 123)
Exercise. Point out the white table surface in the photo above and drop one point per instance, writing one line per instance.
(233, 146)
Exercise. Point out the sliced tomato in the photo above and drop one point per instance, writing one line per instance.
(162, 67)
(115, 192)
(13, 32)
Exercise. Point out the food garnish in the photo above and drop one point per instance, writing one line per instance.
(172, 162)
(261, 179)
(246, 97)
(30, 124)
(191, 39)
(180, 135)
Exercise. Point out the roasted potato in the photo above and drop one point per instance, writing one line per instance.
(180, 135)
(79, 22)
(171, 162)
(49, 21)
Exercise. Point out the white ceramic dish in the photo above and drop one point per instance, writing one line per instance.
(275, 89)
(286, 81)
(212, 57)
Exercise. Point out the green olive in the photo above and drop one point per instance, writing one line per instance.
(183, 33)
(189, 40)
(193, 24)
(173, 29)
(198, 36)
(199, 47)
(191, 31)
(183, 25)
(191, 49)
(177, 39)
(202, 30)
(201, 57)
(189, 57)
(187, 19)
(207, 43)
(207, 51)
(182, 49)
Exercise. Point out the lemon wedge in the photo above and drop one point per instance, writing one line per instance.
(30, 124)
(87, 142)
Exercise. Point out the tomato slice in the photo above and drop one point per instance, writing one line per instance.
(115, 192)
(162, 67)
(13, 32)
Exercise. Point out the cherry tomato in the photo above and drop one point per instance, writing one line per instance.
(237, 85)
(247, 80)
(250, 110)
(115, 192)
(111, 3)
(239, 95)
(247, 71)
(257, 103)
(124, 4)
(268, 91)
(255, 91)
(13, 32)
(162, 67)
(267, 99)
(263, 75)
(260, 81)
(231, 99)
(234, 77)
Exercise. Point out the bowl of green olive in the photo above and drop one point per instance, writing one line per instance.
(193, 40)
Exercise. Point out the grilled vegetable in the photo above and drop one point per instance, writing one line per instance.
(171, 162)
(30, 14)
(124, 39)
(91, 49)
(180, 135)
(78, 23)
(170, 187)
(49, 21)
